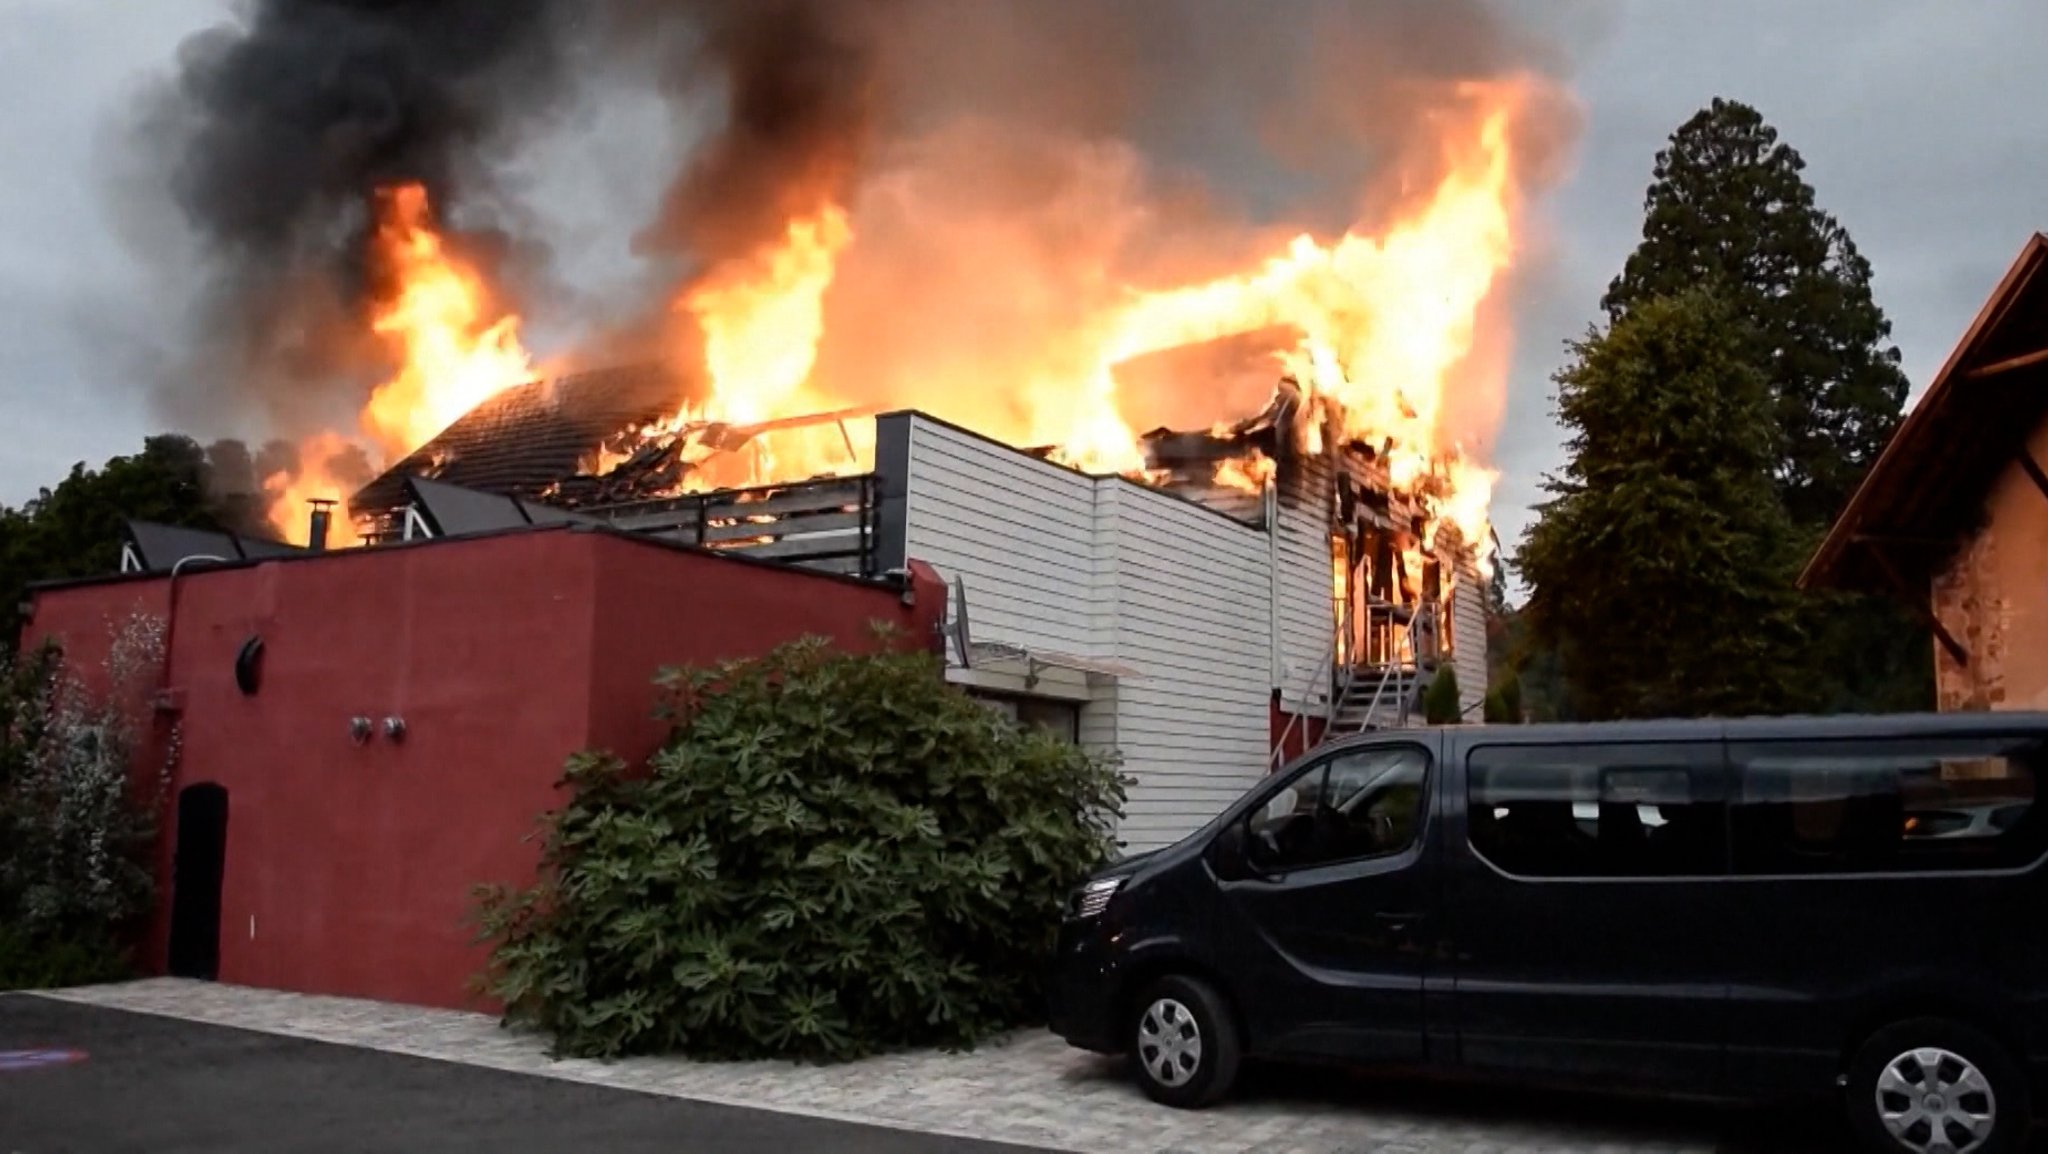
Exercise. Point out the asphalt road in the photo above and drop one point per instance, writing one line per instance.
(161, 1085)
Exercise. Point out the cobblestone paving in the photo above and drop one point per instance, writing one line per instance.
(1030, 1089)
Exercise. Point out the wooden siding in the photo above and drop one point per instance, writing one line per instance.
(1302, 584)
(1468, 637)
(1106, 568)
(1019, 531)
(1190, 593)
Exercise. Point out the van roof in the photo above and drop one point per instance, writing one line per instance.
(1738, 728)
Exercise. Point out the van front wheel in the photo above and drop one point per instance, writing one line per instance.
(1932, 1085)
(1183, 1042)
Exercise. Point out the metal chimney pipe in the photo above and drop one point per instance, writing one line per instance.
(316, 539)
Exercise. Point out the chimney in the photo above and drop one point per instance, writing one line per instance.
(316, 540)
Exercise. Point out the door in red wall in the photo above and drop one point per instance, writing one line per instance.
(196, 873)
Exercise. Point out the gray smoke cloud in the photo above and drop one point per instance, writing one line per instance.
(1134, 142)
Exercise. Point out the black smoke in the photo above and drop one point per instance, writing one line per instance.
(271, 139)
(273, 133)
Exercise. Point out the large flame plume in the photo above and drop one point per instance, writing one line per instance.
(453, 349)
(1380, 324)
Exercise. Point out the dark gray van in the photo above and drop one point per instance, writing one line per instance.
(1761, 908)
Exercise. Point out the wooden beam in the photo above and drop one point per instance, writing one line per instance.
(1921, 603)
(2010, 364)
(2033, 469)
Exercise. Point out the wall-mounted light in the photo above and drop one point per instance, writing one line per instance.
(394, 728)
(359, 729)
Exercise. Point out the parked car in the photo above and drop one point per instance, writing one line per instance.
(1851, 907)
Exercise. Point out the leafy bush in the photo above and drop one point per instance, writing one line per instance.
(76, 835)
(832, 854)
(1440, 700)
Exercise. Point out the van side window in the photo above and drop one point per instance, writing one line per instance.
(1597, 810)
(1361, 804)
(1872, 806)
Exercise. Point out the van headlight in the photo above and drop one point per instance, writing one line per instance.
(1093, 897)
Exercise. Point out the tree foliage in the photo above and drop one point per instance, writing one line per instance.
(1440, 700)
(1730, 210)
(1661, 568)
(832, 854)
(77, 829)
(74, 530)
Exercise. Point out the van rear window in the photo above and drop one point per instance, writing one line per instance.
(1804, 807)
(1597, 810)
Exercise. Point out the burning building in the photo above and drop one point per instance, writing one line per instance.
(1205, 482)
(1250, 589)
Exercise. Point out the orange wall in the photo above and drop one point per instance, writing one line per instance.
(349, 866)
(1994, 599)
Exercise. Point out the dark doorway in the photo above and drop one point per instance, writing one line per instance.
(195, 881)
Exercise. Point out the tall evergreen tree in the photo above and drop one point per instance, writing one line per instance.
(1730, 209)
(1660, 570)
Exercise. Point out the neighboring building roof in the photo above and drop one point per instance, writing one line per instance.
(522, 439)
(1928, 487)
(155, 548)
(453, 511)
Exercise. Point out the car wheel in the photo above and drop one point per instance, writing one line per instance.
(1183, 1042)
(1932, 1086)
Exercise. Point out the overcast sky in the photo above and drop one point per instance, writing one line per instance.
(1921, 122)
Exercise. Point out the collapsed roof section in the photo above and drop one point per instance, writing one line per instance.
(524, 439)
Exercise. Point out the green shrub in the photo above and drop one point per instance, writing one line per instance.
(1440, 701)
(832, 854)
(77, 835)
(1511, 698)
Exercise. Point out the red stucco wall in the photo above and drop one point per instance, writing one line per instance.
(349, 866)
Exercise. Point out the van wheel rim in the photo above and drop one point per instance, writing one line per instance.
(1933, 1101)
(1169, 1043)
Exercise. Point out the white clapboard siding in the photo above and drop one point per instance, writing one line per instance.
(1307, 615)
(1468, 636)
(1190, 590)
(1103, 567)
(1021, 533)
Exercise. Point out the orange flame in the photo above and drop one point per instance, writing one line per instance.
(762, 320)
(292, 493)
(455, 349)
(1249, 473)
(1382, 321)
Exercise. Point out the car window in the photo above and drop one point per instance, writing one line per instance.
(1358, 804)
(1597, 810)
(1862, 806)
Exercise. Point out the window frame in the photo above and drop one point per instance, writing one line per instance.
(1425, 813)
(1737, 780)
(1708, 769)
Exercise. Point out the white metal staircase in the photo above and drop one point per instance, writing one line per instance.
(1379, 696)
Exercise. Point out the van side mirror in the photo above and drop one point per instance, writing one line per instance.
(1226, 853)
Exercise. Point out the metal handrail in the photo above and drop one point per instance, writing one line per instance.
(1274, 758)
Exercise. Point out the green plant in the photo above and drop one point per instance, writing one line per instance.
(832, 854)
(77, 829)
(1504, 701)
(1440, 701)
